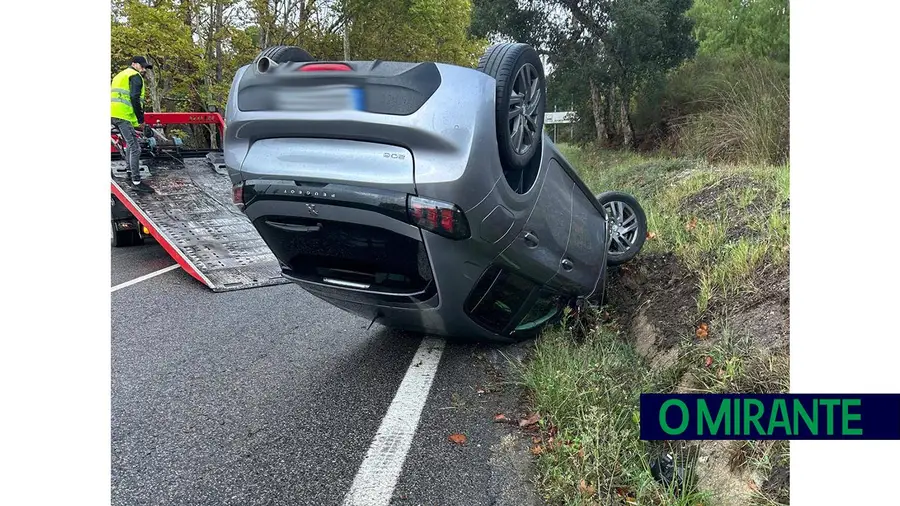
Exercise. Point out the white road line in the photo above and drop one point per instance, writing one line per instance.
(144, 277)
(377, 476)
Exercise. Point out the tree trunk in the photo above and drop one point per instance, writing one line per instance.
(210, 53)
(185, 6)
(218, 36)
(625, 120)
(609, 113)
(264, 22)
(346, 44)
(346, 34)
(599, 113)
(153, 90)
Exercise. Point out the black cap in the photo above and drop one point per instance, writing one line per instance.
(140, 60)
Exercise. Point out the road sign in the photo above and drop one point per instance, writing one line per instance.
(561, 117)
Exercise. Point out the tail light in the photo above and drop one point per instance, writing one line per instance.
(442, 218)
(237, 195)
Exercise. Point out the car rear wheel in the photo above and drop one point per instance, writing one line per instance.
(520, 101)
(627, 226)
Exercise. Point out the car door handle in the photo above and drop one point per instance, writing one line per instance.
(531, 240)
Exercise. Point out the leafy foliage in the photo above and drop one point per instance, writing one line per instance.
(600, 53)
(412, 30)
(636, 71)
(509, 20)
(756, 28)
(196, 46)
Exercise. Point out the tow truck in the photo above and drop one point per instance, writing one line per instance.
(191, 213)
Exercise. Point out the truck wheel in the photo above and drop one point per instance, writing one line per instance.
(125, 238)
(120, 238)
(628, 226)
(520, 101)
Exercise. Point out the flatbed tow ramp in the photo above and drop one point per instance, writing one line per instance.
(191, 214)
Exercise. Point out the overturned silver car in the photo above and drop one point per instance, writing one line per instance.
(421, 195)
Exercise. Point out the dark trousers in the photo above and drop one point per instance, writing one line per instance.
(132, 149)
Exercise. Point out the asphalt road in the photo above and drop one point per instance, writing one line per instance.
(269, 396)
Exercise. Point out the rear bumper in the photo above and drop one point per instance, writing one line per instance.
(434, 316)
(342, 255)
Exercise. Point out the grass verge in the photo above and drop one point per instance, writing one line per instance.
(727, 227)
(589, 393)
(726, 224)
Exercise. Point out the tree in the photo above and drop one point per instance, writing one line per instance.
(635, 41)
(609, 49)
(159, 33)
(513, 20)
(412, 30)
(756, 28)
(196, 46)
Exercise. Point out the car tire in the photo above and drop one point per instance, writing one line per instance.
(513, 66)
(284, 54)
(624, 211)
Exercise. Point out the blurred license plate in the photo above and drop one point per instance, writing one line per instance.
(319, 98)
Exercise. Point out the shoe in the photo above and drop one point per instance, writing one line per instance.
(141, 187)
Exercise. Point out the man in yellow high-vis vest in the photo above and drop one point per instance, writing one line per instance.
(127, 113)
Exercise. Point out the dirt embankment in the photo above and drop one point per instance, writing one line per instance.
(704, 307)
(654, 299)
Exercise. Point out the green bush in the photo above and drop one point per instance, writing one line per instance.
(722, 108)
(743, 115)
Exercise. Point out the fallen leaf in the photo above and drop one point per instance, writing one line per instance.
(586, 489)
(552, 431)
(709, 361)
(651, 235)
(500, 418)
(691, 225)
(752, 484)
(457, 438)
(580, 453)
(703, 331)
(537, 450)
(531, 420)
(535, 440)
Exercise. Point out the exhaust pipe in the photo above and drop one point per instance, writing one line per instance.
(265, 64)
